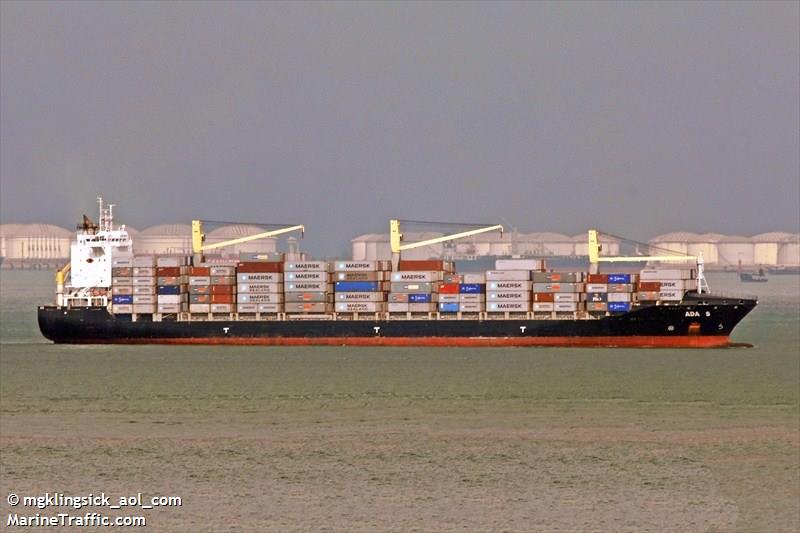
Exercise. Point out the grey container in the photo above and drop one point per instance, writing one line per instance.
(671, 295)
(171, 308)
(222, 271)
(144, 298)
(414, 276)
(122, 289)
(199, 280)
(569, 307)
(558, 287)
(448, 298)
(597, 287)
(422, 308)
(398, 307)
(470, 298)
(146, 281)
(470, 307)
(360, 276)
(221, 308)
(309, 266)
(557, 277)
(567, 297)
(508, 285)
(620, 287)
(143, 261)
(172, 298)
(474, 277)
(144, 289)
(172, 280)
(259, 298)
(360, 297)
(171, 261)
(223, 280)
(259, 288)
(121, 272)
(122, 309)
(122, 281)
(500, 307)
(619, 297)
(508, 296)
(316, 296)
(403, 297)
(596, 306)
(144, 309)
(308, 307)
(507, 275)
(305, 286)
(518, 264)
(360, 307)
(543, 306)
(259, 277)
(144, 271)
(306, 276)
(412, 287)
(661, 274)
(122, 261)
(199, 308)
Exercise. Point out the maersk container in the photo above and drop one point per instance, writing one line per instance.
(360, 276)
(122, 299)
(309, 266)
(679, 284)
(168, 289)
(305, 286)
(259, 287)
(306, 276)
(259, 298)
(411, 287)
(499, 307)
(260, 277)
(508, 285)
(518, 264)
(670, 295)
(596, 287)
(448, 298)
(619, 297)
(448, 307)
(259, 308)
(360, 307)
(507, 275)
(361, 266)
(415, 298)
(360, 297)
(508, 296)
(471, 288)
(619, 307)
(619, 278)
(416, 276)
(357, 286)
(316, 296)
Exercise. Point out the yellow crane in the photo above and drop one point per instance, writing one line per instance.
(397, 246)
(595, 258)
(198, 237)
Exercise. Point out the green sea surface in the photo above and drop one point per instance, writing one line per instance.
(426, 439)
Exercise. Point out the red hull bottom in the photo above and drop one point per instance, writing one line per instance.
(688, 341)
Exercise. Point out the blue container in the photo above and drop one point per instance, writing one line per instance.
(448, 307)
(619, 307)
(358, 286)
(168, 289)
(471, 288)
(419, 298)
(122, 299)
(619, 278)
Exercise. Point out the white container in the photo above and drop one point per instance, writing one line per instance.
(221, 308)
(360, 307)
(171, 308)
(144, 299)
(416, 276)
(620, 287)
(259, 288)
(199, 280)
(448, 298)
(199, 308)
(507, 275)
(143, 261)
(148, 282)
(666, 273)
(361, 266)
(670, 295)
(260, 277)
(144, 271)
(308, 266)
(360, 297)
(259, 298)
(122, 289)
(558, 287)
(122, 261)
(398, 307)
(507, 296)
(144, 289)
(596, 287)
(144, 309)
(122, 309)
(306, 286)
(543, 306)
(172, 298)
(306, 276)
(222, 271)
(619, 297)
(470, 307)
(501, 307)
(473, 277)
(560, 297)
(508, 286)
(465, 298)
(565, 307)
(171, 261)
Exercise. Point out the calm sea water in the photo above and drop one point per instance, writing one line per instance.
(160, 377)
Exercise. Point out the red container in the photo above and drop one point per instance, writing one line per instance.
(200, 271)
(448, 288)
(222, 289)
(544, 297)
(257, 267)
(647, 286)
(164, 272)
(597, 278)
(426, 265)
(223, 299)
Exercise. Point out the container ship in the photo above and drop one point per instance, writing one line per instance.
(108, 294)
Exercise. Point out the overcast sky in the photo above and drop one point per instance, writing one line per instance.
(638, 118)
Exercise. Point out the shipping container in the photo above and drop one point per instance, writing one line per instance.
(122, 272)
(172, 280)
(425, 265)
(199, 308)
(122, 289)
(471, 298)
(223, 289)
(666, 273)
(451, 278)
(144, 309)
(199, 280)
(122, 299)
(558, 287)
(507, 296)
(357, 286)
(543, 306)
(259, 267)
(305, 286)
(471, 288)
(416, 276)
(597, 306)
(649, 286)
(360, 276)
(619, 278)
(223, 298)
(172, 298)
(446, 307)
(122, 261)
(597, 297)
(470, 278)
(508, 285)
(171, 261)
(619, 307)
(221, 308)
(306, 276)
(200, 298)
(497, 307)
(565, 307)
(263, 298)
(596, 287)
(471, 307)
(199, 271)
(145, 298)
(670, 295)
(261, 277)
(398, 307)
(647, 296)
(422, 307)
(360, 307)
(144, 272)
(226, 271)
(171, 308)
(448, 288)
(259, 288)
(448, 298)
(411, 287)
(143, 261)
(122, 309)
(308, 266)
(272, 257)
(544, 297)
(144, 289)
(144, 281)
(557, 277)
(361, 266)
(405, 297)
(419, 298)
(308, 307)
(596, 278)
(519, 264)
(169, 271)
(223, 280)
(507, 275)
(620, 287)
(169, 289)
(619, 297)
(316, 296)
(122, 281)
(360, 297)
(199, 289)
(560, 297)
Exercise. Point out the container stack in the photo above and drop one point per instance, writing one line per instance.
(223, 289)
(143, 281)
(472, 292)
(172, 294)
(673, 282)
(558, 292)
(359, 286)
(307, 287)
(200, 289)
(415, 286)
(122, 285)
(508, 291)
(259, 287)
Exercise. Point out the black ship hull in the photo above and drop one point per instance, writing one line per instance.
(698, 321)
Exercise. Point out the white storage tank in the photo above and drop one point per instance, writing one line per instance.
(165, 239)
(34, 241)
(734, 249)
(789, 252)
(677, 242)
(706, 246)
(766, 247)
(546, 243)
(236, 231)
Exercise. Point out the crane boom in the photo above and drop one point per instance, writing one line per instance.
(198, 237)
(396, 237)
